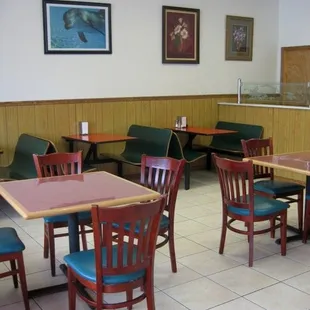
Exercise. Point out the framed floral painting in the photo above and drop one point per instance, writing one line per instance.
(180, 35)
(239, 38)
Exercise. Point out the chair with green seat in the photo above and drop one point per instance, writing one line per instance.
(240, 204)
(57, 164)
(186, 154)
(163, 174)
(268, 186)
(11, 249)
(118, 267)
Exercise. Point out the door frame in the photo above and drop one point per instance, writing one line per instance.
(290, 48)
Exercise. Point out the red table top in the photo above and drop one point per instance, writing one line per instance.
(98, 138)
(204, 131)
(296, 162)
(36, 198)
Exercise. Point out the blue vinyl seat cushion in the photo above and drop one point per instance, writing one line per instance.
(83, 264)
(276, 187)
(263, 206)
(9, 241)
(64, 218)
(164, 223)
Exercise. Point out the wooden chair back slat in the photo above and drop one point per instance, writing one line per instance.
(131, 252)
(259, 147)
(162, 174)
(57, 164)
(236, 182)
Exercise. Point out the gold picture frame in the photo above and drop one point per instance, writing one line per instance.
(239, 38)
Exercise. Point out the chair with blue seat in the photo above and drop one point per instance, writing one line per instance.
(164, 174)
(268, 186)
(11, 249)
(57, 164)
(240, 204)
(118, 267)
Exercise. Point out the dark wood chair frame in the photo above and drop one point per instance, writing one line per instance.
(164, 174)
(57, 164)
(236, 181)
(263, 147)
(13, 258)
(146, 218)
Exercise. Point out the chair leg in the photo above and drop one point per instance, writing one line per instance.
(120, 169)
(23, 282)
(129, 296)
(272, 225)
(83, 237)
(149, 290)
(46, 244)
(172, 249)
(208, 161)
(223, 234)
(71, 290)
(283, 232)
(13, 268)
(300, 207)
(306, 222)
(187, 176)
(51, 242)
(251, 243)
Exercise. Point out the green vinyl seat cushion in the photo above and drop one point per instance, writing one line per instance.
(276, 187)
(263, 206)
(83, 264)
(149, 140)
(9, 241)
(64, 218)
(232, 142)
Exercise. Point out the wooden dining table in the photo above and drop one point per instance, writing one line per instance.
(192, 132)
(94, 140)
(298, 162)
(52, 196)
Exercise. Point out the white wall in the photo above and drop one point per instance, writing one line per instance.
(134, 68)
(293, 25)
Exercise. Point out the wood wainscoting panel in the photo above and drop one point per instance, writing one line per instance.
(287, 127)
(53, 119)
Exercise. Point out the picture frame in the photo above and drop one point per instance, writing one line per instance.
(239, 38)
(180, 35)
(73, 27)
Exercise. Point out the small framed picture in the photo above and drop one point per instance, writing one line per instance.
(180, 38)
(72, 27)
(239, 38)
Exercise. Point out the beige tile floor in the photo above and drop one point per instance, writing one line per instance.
(205, 279)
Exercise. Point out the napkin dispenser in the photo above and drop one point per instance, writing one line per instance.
(181, 122)
(83, 128)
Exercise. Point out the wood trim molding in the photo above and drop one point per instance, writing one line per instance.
(118, 99)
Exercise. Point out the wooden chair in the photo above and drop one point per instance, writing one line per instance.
(57, 164)
(11, 249)
(240, 203)
(118, 267)
(270, 187)
(163, 174)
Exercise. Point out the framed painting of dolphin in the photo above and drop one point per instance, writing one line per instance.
(73, 27)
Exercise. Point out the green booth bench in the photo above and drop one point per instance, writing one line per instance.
(158, 142)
